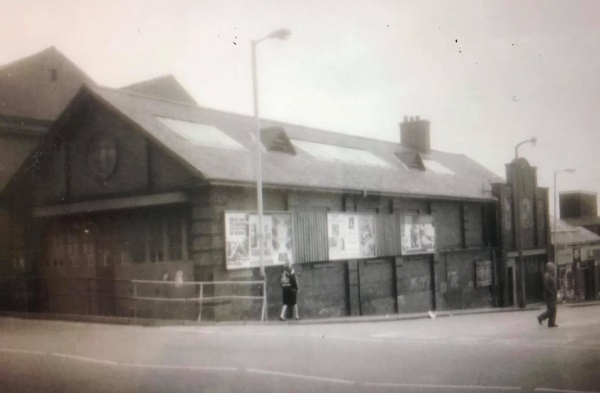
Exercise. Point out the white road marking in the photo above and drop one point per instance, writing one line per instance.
(85, 359)
(24, 351)
(433, 386)
(189, 368)
(548, 390)
(300, 376)
(467, 339)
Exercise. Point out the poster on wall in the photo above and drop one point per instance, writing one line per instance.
(483, 273)
(242, 240)
(417, 235)
(350, 236)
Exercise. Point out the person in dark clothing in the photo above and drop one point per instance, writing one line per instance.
(289, 288)
(550, 296)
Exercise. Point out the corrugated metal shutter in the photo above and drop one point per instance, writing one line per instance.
(310, 236)
(385, 229)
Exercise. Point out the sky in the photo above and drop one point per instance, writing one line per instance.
(486, 74)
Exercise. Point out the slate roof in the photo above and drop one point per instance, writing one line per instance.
(39, 86)
(165, 86)
(569, 234)
(299, 170)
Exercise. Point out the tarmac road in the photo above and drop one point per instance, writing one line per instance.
(499, 352)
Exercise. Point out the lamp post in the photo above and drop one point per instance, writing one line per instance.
(281, 34)
(569, 170)
(533, 141)
(517, 220)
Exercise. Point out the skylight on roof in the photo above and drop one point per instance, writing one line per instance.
(435, 166)
(201, 134)
(335, 153)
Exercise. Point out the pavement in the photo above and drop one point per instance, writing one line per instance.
(483, 352)
(337, 320)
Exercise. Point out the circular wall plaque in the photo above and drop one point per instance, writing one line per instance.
(103, 155)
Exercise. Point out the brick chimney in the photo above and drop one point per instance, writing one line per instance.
(414, 133)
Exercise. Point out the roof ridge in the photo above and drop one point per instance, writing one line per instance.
(226, 112)
(28, 57)
(51, 50)
(158, 77)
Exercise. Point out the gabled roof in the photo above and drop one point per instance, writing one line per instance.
(568, 234)
(165, 86)
(216, 163)
(39, 86)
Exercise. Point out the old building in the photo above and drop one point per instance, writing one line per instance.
(34, 91)
(524, 234)
(578, 247)
(580, 208)
(578, 260)
(128, 186)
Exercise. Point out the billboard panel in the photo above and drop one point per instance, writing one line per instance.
(350, 235)
(417, 234)
(241, 237)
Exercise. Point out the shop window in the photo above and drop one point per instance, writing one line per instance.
(56, 250)
(72, 239)
(88, 244)
(156, 246)
(175, 237)
(151, 236)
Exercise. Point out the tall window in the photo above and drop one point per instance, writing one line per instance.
(143, 236)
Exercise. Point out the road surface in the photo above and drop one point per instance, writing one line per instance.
(499, 352)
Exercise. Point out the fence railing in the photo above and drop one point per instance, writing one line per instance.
(201, 299)
(88, 291)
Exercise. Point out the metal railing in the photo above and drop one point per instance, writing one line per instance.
(90, 289)
(201, 299)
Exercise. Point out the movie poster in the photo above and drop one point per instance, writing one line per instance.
(242, 240)
(350, 236)
(417, 235)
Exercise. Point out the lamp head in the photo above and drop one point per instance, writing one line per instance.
(570, 170)
(533, 141)
(282, 34)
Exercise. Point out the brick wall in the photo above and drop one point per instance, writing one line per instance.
(413, 282)
(455, 281)
(338, 288)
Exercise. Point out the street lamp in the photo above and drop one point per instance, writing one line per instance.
(281, 34)
(569, 170)
(518, 237)
(533, 141)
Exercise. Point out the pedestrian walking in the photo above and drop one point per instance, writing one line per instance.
(289, 289)
(549, 296)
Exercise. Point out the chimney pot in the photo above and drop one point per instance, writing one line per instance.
(415, 134)
(405, 119)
